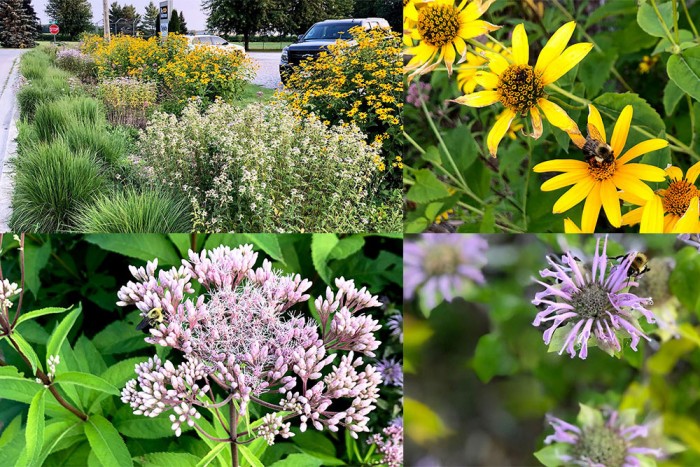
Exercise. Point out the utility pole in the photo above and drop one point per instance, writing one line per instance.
(105, 14)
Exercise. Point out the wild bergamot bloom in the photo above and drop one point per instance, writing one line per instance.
(690, 239)
(598, 182)
(603, 438)
(441, 266)
(520, 87)
(441, 29)
(671, 210)
(583, 304)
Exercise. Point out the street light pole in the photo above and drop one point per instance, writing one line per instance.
(105, 17)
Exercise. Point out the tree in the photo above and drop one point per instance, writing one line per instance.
(115, 13)
(174, 23)
(183, 25)
(300, 15)
(133, 19)
(390, 10)
(17, 26)
(245, 17)
(151, 21)
(72, 16)
(29, 9)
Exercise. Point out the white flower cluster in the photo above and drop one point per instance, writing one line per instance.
(7, 290)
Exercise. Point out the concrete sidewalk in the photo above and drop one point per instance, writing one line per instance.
(9, 113)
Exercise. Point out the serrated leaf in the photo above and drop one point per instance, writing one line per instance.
(321, 247)
(106, 443)
(60, 435)
(427, 188)
(34, 432)
(644, 115)
(145, 247)
(347, 246)
(684, 70)
(42, 312)
(141, 427)
(122, 371)
(269, 243)
(61, 332)
(86, 380)
(649, 21)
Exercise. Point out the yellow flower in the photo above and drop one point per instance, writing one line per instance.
(466, 72)
(441, 28)
(647, 64)
(520, 87)
(671, 210)
(598, 182)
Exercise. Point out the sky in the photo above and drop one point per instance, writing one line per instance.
(192, 9)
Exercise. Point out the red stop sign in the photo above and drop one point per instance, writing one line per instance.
(53, 29)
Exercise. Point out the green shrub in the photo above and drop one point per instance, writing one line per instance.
(131, 211)
(108, 147)
(52, 119)
(51, 182)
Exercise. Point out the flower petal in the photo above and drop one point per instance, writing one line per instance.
(558, 116)
(474, 10)
(595, 119)
(486, 79)
(560, 165)
(565, 179)
(688, 223)
(674, 173)
(622, 128)
(591, 209)
(634, 216)
(578, 139)
(478, 99)
(536, 123)
(642, 148)
(476, 28)
(521, 48)
(497, 62)
(565, 62)
(692, 174)
(643, 172)
(611, 203)
(652, 220)
(575, 195)
(499, 130)
(632, 186)
(571, 227)
(555, 46)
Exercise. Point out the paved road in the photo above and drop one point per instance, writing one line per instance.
(9, 62)
(268, 72)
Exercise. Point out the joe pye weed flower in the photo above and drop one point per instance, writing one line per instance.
(240, 335)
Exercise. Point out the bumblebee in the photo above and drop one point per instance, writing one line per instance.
(595, 149)
(153, 317)
(638, 266)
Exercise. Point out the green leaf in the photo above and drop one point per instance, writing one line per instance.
(269, 243)
(119, 337)
(12, 442)
(11, 430)
(649, 22)
(421, 423)
(298, 460)
(42, 312)
(347, 246)
(618, 7)
(106, 443)
(122, 371)
(60, 435)
(683, 281)
(550, 456)
(644, 115)
(209, 458)
(34, 434)
(672, 96)
(491, 358)
(427, 188)
(16, 387)
(171, 459)
(665, 45)
(61, 332)
(321, 247)
(145, 247)
(249, 456)
(86, 380)
(684, 70)
(35, 259)
(27, 350)
(595, 70)
(140, 427)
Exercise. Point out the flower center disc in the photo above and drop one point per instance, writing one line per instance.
(441, 260)
(591, 301)
(438, 25)
(520, 88)
(602, 446)
(601, 170)
(678, 197)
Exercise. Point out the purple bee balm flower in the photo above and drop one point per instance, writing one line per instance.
(602, 439)
(591, 304)
(440, 265)
(391, 371)
(691, 239)
(395, 325)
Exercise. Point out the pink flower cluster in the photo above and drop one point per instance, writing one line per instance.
(390, 443)
(239, 334)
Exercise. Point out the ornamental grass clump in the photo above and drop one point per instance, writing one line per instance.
(238, 344)
(262, 168)
(127, 100)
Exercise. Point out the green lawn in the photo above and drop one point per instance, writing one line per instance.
(250, 95)
(265, 46)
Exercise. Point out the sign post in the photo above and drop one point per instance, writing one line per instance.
(164, 18)
(53, 29)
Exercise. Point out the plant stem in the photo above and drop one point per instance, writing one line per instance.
(233, 425)
(693, 130)
(690, 20)
(663, 23)
(207, 435)
(527, 173)
(22, 274)
(675, 21)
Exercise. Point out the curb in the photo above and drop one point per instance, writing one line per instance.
(8, 153)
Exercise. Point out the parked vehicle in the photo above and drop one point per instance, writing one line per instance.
(319, 37)
(206, 39)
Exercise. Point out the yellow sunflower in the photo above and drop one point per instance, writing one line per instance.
(598, 181)
(466, 72)
(671, 210)
(520, 87)
(441, 28)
